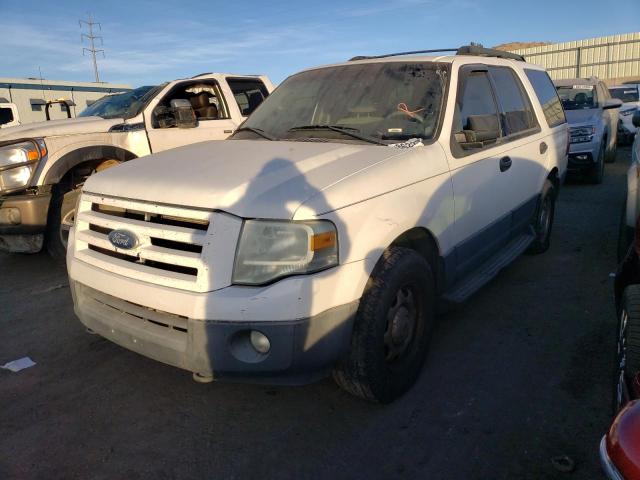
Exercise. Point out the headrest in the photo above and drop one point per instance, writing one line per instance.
(200, 100)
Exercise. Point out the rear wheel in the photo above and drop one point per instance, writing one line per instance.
(543, 220)
(392, 328)
(628, 347)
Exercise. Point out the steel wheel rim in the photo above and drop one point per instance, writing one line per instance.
(401, 326)
(66, 223)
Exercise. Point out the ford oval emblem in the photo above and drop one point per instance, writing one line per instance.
(123, 239)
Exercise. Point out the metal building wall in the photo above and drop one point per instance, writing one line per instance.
(23, 92)
(609, 58)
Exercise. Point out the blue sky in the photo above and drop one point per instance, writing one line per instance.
(148, 42)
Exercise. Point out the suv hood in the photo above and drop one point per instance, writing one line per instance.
(67, 126)
(589, 116)
(248, 178)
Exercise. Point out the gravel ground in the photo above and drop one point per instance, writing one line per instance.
(517, 375)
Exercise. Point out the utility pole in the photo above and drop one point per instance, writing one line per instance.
(91, 37)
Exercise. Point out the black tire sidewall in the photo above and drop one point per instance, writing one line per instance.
(548, 193)
(63, 200)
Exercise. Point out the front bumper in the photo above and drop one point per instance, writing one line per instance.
(583, 155)
(302, 350)
(23, 221)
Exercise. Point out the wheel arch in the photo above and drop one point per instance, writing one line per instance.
(85, 157)
(425, 243)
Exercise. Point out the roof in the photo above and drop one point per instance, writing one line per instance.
(566, 82)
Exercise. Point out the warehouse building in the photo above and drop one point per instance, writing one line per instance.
(30, 96)
(614, 59)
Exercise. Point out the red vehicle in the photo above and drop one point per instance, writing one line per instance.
(620, 447)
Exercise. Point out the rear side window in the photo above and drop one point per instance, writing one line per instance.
(548, 97)
(249, 94)
(476, 122)
(516, 114)
(6, 115)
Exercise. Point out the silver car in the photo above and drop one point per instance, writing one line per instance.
(629, 95)
(593, 124)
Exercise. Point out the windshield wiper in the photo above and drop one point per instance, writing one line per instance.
(349, 131)
(257, 131)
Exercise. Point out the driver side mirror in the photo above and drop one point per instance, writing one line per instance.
(183, 113)
(636, 119)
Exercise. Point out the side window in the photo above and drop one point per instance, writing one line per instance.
(476, 123)
(249, 93)
(548, 97)
(6, 115)
(516, 114)
(205, 99)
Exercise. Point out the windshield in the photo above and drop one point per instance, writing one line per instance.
(578, 97)
(119, 105)
(629, 94)
(374, 102)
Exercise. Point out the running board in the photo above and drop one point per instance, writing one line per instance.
(488, 270)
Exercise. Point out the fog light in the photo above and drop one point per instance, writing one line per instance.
(260, 342)
(10, 216)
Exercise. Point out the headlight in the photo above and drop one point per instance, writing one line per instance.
(269, 250)
(18, 162)
(582, 134)
(626, 113)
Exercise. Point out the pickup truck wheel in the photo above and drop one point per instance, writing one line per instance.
(628, 347)
(596, 174)
(61, 219)
(392, 328)
(543, 220)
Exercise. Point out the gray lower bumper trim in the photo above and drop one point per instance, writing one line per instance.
(301, 351)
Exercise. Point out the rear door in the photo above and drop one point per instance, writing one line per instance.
(528, 151)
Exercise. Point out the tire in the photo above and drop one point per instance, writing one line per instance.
(543, 220)
(611, 156)
(628, 344)
(60, 221)
(625, 235)
(392, 328)
(596, 173)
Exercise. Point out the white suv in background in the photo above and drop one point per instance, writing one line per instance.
(322, 236)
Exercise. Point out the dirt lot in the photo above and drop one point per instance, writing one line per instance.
(519, 374)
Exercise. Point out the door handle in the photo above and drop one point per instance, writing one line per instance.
(543, 147)
(505, 164)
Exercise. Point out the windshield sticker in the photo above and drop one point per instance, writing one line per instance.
(582, 87)
(411, 143)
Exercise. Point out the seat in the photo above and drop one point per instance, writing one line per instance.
(202, 107)
(255, 99)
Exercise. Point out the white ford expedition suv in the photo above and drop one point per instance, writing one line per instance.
(321, 237)
(43, 165)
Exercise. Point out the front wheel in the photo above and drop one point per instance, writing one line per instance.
(596, 174)
(62, 213)
(543, 220)
(392, 328)
(627, 385)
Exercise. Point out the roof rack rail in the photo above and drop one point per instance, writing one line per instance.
(464, 50)
(488, 52)
(202, 74)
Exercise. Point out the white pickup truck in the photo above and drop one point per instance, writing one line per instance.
(9, 116)
(321, 237)
(42, 165)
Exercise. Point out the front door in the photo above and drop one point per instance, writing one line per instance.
(213, 118)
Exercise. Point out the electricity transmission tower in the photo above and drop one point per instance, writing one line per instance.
(92, 38)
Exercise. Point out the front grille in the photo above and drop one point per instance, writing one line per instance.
(169, 247)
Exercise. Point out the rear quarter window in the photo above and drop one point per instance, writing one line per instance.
(548, 97)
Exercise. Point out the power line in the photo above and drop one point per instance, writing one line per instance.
(91, 37)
